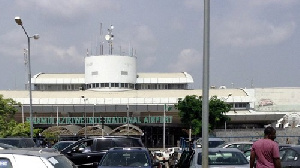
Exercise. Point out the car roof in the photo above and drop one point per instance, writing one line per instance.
(30, 153)
(110, 137)
(18, 138)
(211, 139)
(128, 148)
(296, 147)
(220, 150)
(66, 141)
(240, 142)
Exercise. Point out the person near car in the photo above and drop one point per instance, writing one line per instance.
(265, 151)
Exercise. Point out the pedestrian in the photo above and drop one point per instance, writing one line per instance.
(265, 151)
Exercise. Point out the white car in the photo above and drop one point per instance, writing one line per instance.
(16, 158)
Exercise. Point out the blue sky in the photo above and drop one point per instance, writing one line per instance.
(252, 42)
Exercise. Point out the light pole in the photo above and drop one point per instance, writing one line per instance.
(84, 99)
(36, 36)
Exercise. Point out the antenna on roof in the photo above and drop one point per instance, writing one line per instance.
(101, 42)
(109, 38)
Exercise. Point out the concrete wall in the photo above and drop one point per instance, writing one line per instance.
(230, 135)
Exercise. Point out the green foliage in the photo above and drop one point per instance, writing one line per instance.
(8, 125)
(53, 136)
(7, 112)
(190, 112)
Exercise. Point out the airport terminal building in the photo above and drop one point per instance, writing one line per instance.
(111, 89)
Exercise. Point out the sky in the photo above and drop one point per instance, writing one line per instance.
(253, 43)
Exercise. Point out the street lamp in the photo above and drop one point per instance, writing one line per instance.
(84, 99)
(36, 36)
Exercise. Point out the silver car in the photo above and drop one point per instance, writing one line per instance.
(221, 157)
(241, 145)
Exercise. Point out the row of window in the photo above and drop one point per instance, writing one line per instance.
(64, 87)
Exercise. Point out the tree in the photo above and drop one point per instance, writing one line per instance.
(190, 112)
(7, 112)
(8, 125)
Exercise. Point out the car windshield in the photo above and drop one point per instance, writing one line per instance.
(61, 145)
(61, 162)
(224, 158)
(125, 158)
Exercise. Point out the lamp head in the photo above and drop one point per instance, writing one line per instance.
(36, 36)
(18, 20)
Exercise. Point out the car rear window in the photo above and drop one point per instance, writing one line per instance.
(105, 144)
(126, 158)
(224, 158)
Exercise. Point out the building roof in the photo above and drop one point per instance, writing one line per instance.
(61, 78)
(121, 97)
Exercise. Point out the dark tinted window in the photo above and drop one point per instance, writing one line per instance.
(126, 158)
(127, 142)
(13, 142)
(213, 144)
(105, 144)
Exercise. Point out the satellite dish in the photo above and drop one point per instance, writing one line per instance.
(111, 26)
(107, 37)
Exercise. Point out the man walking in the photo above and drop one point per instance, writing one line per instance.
(265, 151)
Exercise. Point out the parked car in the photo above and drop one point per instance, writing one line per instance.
(158, 156)
(62, 145)
(281, 146)
(212, 142)
(88, 152)
(18, 142)
(289, 156)
(221, 157)
(21, 158)
(127, 157)
(6, 146)
(242, 145)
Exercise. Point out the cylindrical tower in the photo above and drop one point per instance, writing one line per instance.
(111, 72)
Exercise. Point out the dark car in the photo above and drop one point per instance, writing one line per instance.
(88, 152)
(289, 156)
(18, 142)
(127, 157)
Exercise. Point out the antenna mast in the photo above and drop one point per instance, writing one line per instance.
(101, 42)
(109, 38)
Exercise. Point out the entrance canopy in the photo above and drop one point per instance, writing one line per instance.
(127, 129)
